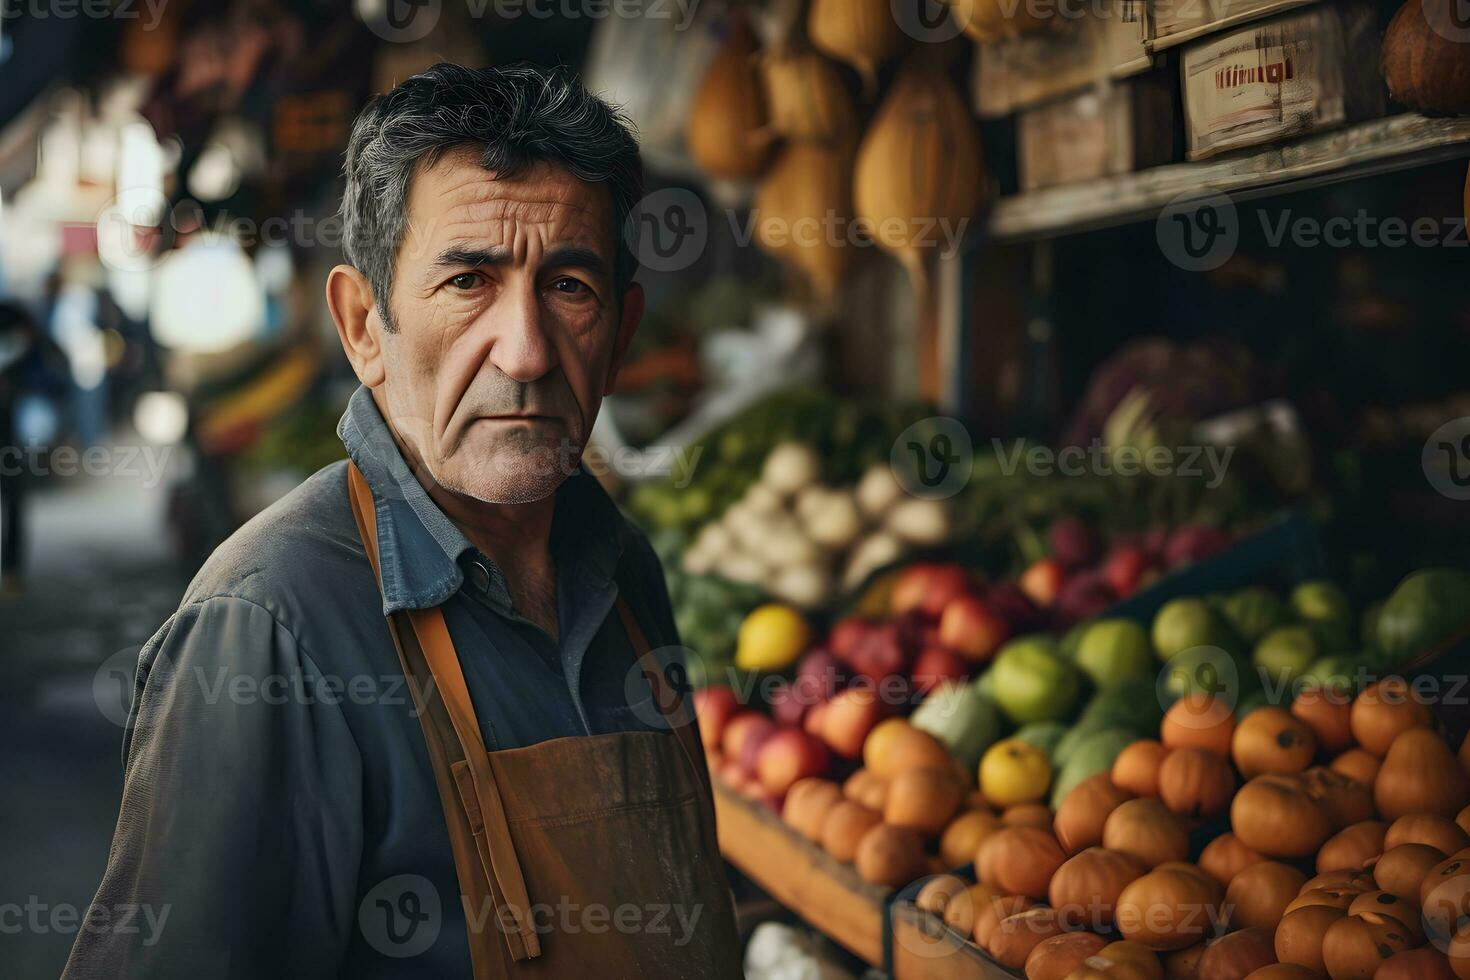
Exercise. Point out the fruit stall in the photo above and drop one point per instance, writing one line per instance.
(974, 706)
(1052, 420)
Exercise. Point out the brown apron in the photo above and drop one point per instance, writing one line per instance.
(591, 856)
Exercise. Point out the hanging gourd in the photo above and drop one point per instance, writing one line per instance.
(860, 33)
(807, 97)
(918, 182)
(988, 21)
(803, 210)
(726, 132)
(1426, 66)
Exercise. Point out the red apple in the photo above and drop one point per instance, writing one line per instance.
(972, 628)
(928, 587)
(788, 755)
(1008, 601)
(751, 746)
(1083, 596)
(1043, 581)
(845, 635)
(713, 707)
(937, 665)
(747, 726)
(732, 775)
(1194, 543)
(788, 707)
(819, 675)
(880, 654)
(847, 719)
(1073, 542)
(1124, 568)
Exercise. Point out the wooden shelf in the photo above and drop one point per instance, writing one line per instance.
(1380, 146)
(828, 894)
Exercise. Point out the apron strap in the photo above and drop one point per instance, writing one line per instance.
(479, 832)
(669, 697)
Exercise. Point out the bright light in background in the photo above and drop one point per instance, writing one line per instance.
(74, 325)
(215, 175)
(140, 170)
(206, 297)
(161, 417)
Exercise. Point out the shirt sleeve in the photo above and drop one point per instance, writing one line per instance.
(239, 837)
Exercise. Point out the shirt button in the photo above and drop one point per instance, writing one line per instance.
(480, 576)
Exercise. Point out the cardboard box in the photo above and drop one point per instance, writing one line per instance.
(1112, 129)
(1087, 44)
(1296, 74)
(1173, 22)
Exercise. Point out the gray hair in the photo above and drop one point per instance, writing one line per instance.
(517, 116)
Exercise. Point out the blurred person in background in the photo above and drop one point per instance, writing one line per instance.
(30, 365)
(534, 800)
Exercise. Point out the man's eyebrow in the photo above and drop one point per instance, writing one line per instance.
(575, 257)
(562, 257)
(460, 256)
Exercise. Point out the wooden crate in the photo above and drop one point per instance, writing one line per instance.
(924, 948)
(826, 893)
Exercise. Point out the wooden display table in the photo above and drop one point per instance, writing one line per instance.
(831, 897)
(828, 894)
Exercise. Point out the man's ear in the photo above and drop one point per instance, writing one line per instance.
(632, 315)
(350, 298)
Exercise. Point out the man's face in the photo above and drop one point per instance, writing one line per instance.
(508, 329)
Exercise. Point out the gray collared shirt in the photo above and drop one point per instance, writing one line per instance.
(279, 809)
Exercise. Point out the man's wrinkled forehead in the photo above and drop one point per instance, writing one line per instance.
(454, 200)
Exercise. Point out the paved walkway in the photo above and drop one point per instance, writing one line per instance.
(100, 580)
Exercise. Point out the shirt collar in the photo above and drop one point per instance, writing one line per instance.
(420, 551)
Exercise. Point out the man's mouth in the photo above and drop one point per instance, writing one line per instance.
(521, 419)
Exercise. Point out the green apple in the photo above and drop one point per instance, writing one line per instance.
(1286, 652)
(1031, 682)
(1043, 734)
(961, 718)
(1112, 649)
(1325, 608)
(1208, 670)
(1253, 612)
(1183, 624)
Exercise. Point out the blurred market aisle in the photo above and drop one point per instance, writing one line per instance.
(100, 579)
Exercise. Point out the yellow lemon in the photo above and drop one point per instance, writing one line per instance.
(1013, 771)
(771, 638)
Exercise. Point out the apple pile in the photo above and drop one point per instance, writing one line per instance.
(1081, 577)
(942, 626)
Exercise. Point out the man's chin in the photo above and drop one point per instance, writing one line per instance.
(518, 476)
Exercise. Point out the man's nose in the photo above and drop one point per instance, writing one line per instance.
(522, 349)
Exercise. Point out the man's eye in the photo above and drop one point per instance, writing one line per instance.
(465, 280)
(570, 286)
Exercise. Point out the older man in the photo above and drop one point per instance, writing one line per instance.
(407, 722)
